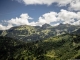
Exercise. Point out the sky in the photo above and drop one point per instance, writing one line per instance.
(38, 12)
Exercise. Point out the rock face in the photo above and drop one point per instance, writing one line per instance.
(45, 26)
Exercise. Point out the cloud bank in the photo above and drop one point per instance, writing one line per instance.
(47, 2)
(72, 4)
(75, 5)
(5, 27)
(22, 20)
(63, 16)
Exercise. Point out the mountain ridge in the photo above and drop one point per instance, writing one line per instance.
(33, 33)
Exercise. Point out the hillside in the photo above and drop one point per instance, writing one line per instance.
(34, 33)
(0, 32)
(61, 47)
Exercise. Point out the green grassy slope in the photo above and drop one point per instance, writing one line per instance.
(61, 47)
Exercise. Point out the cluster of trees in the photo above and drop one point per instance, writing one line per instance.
(62, 47)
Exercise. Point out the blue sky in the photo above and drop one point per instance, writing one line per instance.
(11, 9)
(38, 12)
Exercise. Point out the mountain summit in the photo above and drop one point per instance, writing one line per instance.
(44, 26)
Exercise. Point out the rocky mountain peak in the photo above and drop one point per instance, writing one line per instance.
(45, 25)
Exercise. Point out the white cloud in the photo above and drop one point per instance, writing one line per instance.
(76, 23)
(47, 2)
(30, 2)
(22, 20)
(72, 4)
(5, 27)
(56, 24)
(75, 5)
(67, 16)
(63, 16)
(2, 27)
(33, 23)
(63, 2)
(48, 18)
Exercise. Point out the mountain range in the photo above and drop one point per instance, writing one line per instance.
(33, 33)
(44, 42)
